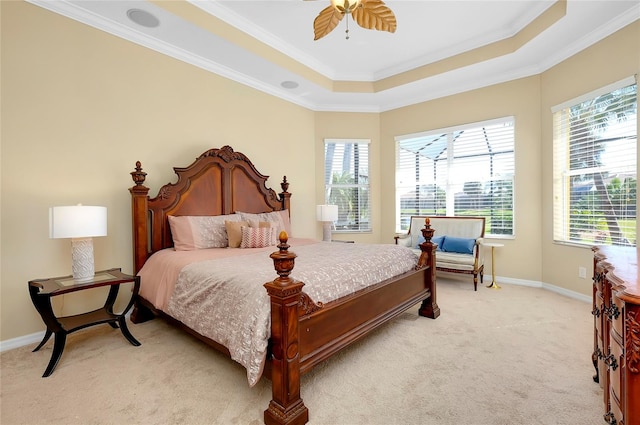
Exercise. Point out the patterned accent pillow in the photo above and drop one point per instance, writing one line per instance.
(273, 224)
(200, 232)
(257, 237)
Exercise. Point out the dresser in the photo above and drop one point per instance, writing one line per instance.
(616, 341)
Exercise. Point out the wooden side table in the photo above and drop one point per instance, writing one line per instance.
(42, 290)
(493, 246)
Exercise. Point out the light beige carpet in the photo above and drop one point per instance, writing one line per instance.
(517, 355)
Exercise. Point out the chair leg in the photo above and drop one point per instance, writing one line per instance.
(475, 282)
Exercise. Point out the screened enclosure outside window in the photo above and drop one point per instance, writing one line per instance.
(346, 178)
(595, 167)
(459, 171)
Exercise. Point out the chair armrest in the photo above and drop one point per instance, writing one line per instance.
(403, 239)
(479, 251)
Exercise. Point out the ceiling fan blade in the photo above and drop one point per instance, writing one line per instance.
(326, 21)
(374, 14)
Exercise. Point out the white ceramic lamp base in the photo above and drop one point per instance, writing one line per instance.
(82, 259)
(326, 231)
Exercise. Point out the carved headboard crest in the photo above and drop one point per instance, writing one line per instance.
(220, 181)
(226, 153)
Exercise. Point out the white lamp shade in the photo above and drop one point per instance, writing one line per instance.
(78, 221)
(327, 212)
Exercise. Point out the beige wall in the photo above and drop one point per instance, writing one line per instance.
(80, 106)
(611, 60)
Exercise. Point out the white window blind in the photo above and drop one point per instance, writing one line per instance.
(346, 179)
(465, 170)
(595, 167)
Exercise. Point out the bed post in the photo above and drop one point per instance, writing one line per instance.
(139, 209)
(286, 406)
(429, 307)
(285, 196)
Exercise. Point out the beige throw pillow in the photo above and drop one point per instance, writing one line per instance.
(234, 232)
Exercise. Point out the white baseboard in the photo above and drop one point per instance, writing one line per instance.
(21, 341)
(547, 286)
(568, 293)
(514, 281)
(35, 338)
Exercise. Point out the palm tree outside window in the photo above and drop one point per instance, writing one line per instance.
(595, 167)
(346, 179)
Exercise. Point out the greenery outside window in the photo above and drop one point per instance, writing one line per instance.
(595, 167)
(458, 171)
(346, 180)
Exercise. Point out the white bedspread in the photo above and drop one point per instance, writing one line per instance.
(224, 299)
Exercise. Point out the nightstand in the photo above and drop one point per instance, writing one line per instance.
(42, 290)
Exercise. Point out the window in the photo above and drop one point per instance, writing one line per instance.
(346, 181)
(466, 170)
(594, 167)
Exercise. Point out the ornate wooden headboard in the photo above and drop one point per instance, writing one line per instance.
(220, 181)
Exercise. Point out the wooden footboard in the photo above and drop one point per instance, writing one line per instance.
(304, 334)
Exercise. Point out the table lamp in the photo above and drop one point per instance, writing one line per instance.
(81, 224)
(327, 214)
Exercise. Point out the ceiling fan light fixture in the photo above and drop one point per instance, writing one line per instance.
(369, 14)
(345, 6)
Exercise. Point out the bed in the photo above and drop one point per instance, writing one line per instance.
(302, 330)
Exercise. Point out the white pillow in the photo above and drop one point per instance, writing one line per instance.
(200, 232)
(281, 218)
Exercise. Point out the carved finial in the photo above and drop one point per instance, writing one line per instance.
(283, 259)
(427, 232)
(285, 184)
(138, 175)
(427, 248)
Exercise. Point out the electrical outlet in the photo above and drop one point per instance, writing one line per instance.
(582, 272)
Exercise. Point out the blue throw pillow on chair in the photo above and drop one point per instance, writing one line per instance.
(459, 245)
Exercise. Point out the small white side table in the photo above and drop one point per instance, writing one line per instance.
(493, 246)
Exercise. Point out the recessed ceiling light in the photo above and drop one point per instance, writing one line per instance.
(143, 18)
(289, 84)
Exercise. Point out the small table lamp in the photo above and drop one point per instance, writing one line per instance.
(327, 214)
(80, 223)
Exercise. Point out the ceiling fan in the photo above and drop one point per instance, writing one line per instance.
(369, 14)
